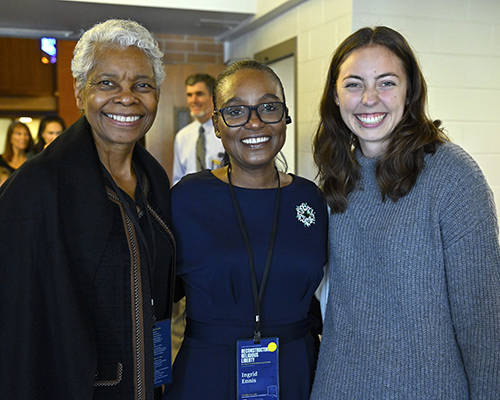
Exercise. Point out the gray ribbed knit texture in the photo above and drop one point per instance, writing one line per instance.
(414, 303)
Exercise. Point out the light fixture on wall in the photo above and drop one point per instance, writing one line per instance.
(48, 47)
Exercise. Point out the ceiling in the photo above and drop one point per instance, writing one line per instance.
(67, 19)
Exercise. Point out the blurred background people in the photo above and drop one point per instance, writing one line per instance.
(87, 257)
(18, 146)
(50, 128)
(247, 219)
(195, 146)
(414, 308)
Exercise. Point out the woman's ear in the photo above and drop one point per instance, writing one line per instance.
(78, 96)
(288, 119)
(215, 121)
(336, 97)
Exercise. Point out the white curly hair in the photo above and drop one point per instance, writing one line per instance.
(114, 32)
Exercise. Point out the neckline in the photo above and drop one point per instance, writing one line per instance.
(244, 188)
(365, 161)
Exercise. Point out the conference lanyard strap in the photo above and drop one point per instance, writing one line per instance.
(258, 293)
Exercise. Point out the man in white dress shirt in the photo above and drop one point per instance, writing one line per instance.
(196, 147)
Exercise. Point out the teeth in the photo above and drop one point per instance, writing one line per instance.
(121, 118)
(255, 140)
(371, 120)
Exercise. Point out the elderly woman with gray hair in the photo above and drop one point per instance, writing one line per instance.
(87, 257)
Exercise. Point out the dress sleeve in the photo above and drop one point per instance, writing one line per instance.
(469, 232)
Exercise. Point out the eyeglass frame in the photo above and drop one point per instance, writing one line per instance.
(288, 120)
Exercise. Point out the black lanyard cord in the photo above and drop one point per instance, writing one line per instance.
(258, 293)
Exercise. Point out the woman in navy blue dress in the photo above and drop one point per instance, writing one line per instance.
(242, 215)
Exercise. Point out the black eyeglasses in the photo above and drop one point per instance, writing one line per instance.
(269, 113)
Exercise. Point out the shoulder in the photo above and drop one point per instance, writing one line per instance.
(455, 181)
(303, 191)
(194, 182)
(70, 163)
(75, 146)
(23, 192)
(194, 191)
(72, 157)
(304, 201)
(303, 184)
(453, 156)
(452, 166)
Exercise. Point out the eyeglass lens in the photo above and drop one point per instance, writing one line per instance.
(268, 113)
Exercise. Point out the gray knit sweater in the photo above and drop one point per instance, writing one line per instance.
(414, 304)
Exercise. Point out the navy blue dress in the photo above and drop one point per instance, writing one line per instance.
(212, 262)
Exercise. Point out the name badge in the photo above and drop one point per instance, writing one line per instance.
(258, 374)
(162, 352)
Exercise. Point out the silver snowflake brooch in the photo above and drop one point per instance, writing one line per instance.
(305, 214)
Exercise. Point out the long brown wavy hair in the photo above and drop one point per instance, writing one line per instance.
(8, 152)
(414, 136)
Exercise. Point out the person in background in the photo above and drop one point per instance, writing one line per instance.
(413, 310)
(87, 256)
(50, 128)
(242, 220)
(18, 146)
(195, 146)
(4, 175)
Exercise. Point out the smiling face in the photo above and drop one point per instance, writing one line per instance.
(255, 144)
(51, 131)
(199, 101)
(20, 138)
(120, 97)
(371, 93)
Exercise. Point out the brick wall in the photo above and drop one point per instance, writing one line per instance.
(184, 49)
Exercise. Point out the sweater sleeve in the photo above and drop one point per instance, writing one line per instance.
(472, 261)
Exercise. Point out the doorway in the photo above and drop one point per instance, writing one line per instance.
(282, 59)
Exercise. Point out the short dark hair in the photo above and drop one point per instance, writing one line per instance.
(249, 65)
(207, 79)
(242, 65)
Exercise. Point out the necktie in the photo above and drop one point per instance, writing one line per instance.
(200, 149)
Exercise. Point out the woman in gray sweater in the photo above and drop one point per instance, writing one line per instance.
(414, 294)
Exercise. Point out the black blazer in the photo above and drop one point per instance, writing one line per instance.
(55, 219)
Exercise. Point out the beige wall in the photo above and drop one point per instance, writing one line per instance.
(184, 56)
(319, 26)
(160, 138)
(457, 43)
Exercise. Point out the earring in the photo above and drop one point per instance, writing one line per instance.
(338, 103)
